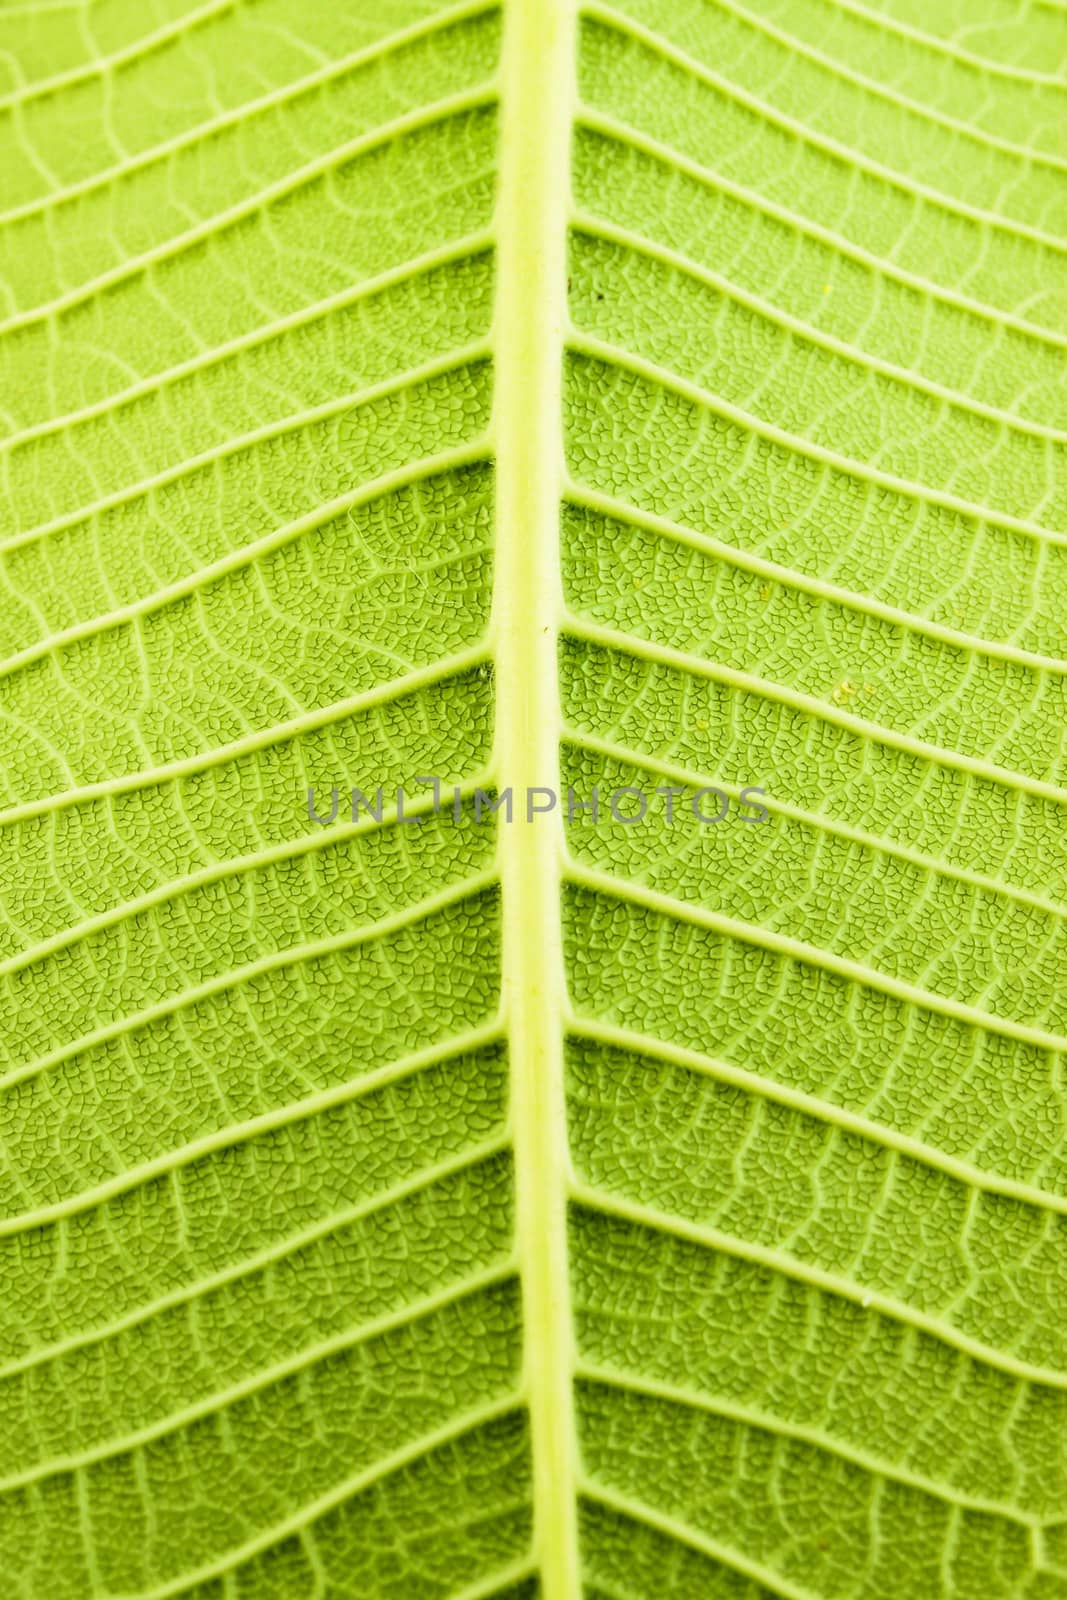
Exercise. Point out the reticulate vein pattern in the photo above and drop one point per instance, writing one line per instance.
(659, 396)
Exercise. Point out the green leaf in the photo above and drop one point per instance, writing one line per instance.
(664, 397)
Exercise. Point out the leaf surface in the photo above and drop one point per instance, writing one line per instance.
(660, 397)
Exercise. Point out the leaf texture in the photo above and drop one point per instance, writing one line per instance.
(656, 395)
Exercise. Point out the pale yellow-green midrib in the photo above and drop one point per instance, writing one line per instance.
(538, 92)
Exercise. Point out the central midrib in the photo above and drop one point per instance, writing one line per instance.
(538, 96)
